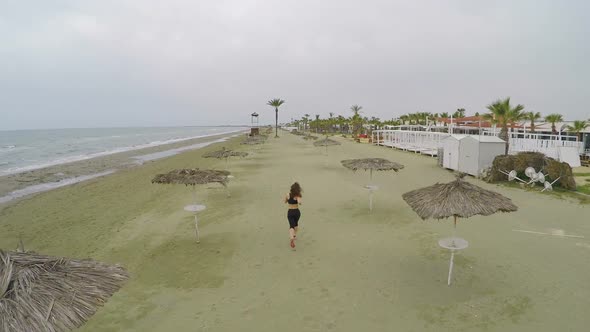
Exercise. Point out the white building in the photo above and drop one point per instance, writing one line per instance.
(471, 154)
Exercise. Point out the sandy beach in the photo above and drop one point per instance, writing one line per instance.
(352, 269)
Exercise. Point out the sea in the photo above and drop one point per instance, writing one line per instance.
(26, 150)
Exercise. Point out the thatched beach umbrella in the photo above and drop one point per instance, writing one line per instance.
(326, 142)
(309, 137)
(377, 164)
(225, 154)
(253, 140)
(41, 293)
(256, 140)
(455, 199)
(193, 177)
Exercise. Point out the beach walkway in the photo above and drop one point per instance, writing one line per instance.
(352, 270)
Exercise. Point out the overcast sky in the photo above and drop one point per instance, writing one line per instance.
(161, 63)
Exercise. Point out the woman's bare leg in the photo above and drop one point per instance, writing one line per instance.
(292, 233)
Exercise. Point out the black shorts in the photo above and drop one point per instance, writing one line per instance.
(293, 215)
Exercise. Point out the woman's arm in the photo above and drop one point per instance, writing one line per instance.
(299, 200)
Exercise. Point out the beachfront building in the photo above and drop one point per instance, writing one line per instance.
(428, 139)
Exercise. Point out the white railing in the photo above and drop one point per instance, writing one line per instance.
(548, 147)
(429, 142)
(409, 140)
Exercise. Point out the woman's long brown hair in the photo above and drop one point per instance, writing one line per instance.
(295, 190)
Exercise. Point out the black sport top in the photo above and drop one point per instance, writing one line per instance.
(292, 200)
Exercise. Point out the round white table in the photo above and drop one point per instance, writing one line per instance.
(452, 243)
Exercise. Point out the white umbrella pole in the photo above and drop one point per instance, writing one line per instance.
(452, 253)
(197, 228)
(370, 190)
(196, 220)
(451, 267)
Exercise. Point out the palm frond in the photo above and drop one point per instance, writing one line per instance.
(275, 102)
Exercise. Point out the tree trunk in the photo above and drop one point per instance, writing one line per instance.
(504, 136)
(276, 122)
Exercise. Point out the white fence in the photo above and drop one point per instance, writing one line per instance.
(426, 142)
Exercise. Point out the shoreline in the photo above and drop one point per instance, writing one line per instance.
(115, 150)
(19, 185)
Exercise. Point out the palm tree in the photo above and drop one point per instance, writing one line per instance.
(532, 117)
(376, 122)
(577, 128)
(553, 118)
(504, 114)
(356, 118)
(403, 119)
(340, 121)
(276, 103)
(460, 113)
(331, 121)
(305, 120)
(317, 123)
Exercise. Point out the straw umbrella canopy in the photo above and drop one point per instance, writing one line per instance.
(326, 142)
(193, 177)
(225, 153)
(455, 199)
(371, 164)
(252, 140)
(377, 164)
(309, 137)
(45, 293)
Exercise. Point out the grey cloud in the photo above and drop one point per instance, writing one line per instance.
(116, 63)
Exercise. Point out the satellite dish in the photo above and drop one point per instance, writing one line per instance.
(512, 175)
(529, 171)
(547, 186)
(540, 177)
(534, 177)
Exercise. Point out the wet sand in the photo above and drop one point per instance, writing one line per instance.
(352, 270)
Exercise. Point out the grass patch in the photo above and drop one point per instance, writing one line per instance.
(582, 194)
(585, 189)
(581, 174)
